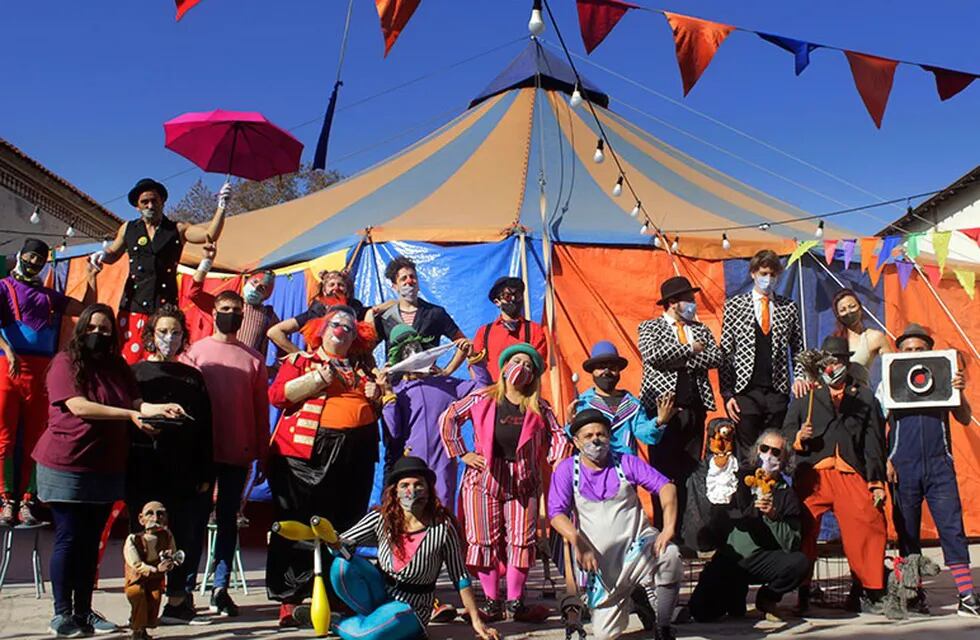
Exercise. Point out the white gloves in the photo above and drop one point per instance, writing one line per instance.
(224, 195)
(95, 259)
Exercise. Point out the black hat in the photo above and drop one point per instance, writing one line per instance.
(33, 245)
(913, 330)
(410, 466)
(836, 346)
(144, 185)
(587, 416)
(505, 281)
(676, 286)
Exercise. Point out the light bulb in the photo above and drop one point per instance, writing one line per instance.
(820, 229)
(576, 100)
(36, 216)
(62, 247)
(618, 188)
(644, 228)
(656, 239)
(636, 210)
(673, 247)
(574, 377)
(725, 244)
(536, 24)
(70, 232)
(105, 244)
(599, 156)
(764, 226)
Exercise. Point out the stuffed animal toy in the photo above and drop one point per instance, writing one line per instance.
(722, 444)
(905, 595)
(761, 483)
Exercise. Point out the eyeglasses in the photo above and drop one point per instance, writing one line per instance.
(776, 451)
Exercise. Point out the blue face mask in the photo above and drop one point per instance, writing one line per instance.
(687, 310)
(765, 284)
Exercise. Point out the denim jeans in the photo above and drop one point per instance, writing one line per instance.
(75, 556)
(231, 483)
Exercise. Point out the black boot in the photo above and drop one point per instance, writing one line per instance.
(803, 600)
(643, 608)
(665, 633)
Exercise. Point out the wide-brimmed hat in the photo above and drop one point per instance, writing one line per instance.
(410, 466)
(914, 330)
(836, 346)
(676, 286)
(503, 282)
(144, 185)
(587, 416)
(603, 352)
(522, 347)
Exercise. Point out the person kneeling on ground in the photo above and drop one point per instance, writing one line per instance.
(614, 542)
(415, 536)
(764, 544)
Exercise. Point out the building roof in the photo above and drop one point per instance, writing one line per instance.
(925, 215)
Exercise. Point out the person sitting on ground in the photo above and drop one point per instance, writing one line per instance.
(510, 327)
(763, 546)
(415, 536)
(612, 538)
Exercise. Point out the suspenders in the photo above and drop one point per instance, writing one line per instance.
(486, 333)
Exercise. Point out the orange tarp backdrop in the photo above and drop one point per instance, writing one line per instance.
(917, 304)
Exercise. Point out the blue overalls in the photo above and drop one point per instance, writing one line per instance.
(920, 450)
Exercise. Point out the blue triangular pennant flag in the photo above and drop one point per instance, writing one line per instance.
(904, 269)
(800, 50)
(888, 245)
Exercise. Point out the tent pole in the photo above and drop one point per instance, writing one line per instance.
(949, 313)
(527, 292)
(843, 286)
(799, 270)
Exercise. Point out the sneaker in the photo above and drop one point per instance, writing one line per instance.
(25, 515)
(222, 604)
(535, 614)
(96, 623)
(63, 626)
(8, 510)
(442, 612)
(183, 613)
(969, 606)
(491, 610)
(287, 619)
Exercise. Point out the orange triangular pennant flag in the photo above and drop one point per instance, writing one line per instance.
(932, 270)
(873, 77)
(394, 15)
(874, 273)
(867, 252)
(696, 42)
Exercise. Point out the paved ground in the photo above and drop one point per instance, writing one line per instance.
(23, 616)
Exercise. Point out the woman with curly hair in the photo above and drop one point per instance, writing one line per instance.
(324, 447)
(81, 459)
(415, 536)
(176, 465)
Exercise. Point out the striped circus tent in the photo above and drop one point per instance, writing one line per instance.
(479, 179)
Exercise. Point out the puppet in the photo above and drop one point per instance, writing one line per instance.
(722, 445)
(148, 557)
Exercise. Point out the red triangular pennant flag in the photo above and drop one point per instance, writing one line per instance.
(873, 77)
(183, 6)
(932, 270)
(596, 18)
(394, 15)
(949, 83)
(829, 249)
(972, 233)
(696, 42)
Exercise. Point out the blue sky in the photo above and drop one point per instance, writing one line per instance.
(87, 85)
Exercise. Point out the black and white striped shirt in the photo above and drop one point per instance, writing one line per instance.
(441, 545)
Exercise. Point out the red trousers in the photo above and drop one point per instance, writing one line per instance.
(862, 526)
(500, 529)
(23, 416)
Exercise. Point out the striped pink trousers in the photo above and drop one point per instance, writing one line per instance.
(500, 512)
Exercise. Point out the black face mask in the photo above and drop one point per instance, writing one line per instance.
(228, 322)
(97, 344)
(512, 308)
(606, 381)
(30, 269)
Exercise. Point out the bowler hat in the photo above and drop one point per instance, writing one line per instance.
(588, 416)
(914, 330)
(604, 352)
(505, 281)
(410, 466)
(144, 185)
(525, 348)
(836, 346)
(676, 286)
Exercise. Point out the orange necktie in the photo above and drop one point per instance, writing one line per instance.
(681, 334)
(765, 314)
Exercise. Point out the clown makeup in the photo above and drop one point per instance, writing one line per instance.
(412, 493)
(258, 288)
(339, 333)
(833, 373)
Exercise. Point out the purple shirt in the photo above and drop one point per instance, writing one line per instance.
(40, 311)
(598, 485)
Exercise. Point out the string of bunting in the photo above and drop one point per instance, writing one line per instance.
(696, 41)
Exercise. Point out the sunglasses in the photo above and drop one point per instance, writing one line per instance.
(776, 451)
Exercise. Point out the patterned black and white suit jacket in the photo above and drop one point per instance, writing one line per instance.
(738, 343)
(663, 356)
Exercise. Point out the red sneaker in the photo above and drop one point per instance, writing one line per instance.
(286, 619)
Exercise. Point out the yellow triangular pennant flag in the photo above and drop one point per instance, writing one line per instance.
(940, 244)
(800, 249)
(968, 280)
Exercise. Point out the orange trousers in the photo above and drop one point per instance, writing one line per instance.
(144, 602)
(862, 526)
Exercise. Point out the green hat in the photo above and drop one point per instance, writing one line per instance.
(522, 347)
(401, 335)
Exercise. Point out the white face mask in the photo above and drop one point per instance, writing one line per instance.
(596, 450)
(687, 310)
(167, 344)
(769, 463)
(148, 213)
(765, 284)
(409, 292)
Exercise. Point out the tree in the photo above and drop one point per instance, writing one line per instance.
(199, 203)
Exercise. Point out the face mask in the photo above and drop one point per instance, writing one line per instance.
(769, 463)
(148, 214)
(687, 310)
(511, 307)
(96, 344)
(167, 344)
(833, 375)
(596, 450)
(518, 375)
(252, 295)
(28, 269)
(409, 292)
(409, 498)
(606, 381)
(765, 284)
(228, 322)
(850, 319)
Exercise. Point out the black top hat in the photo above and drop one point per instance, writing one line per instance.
(144, 185)
(410, 466)
(676, 286)
(914, 330)
(836, 346)
(588, 416)
(505, 281)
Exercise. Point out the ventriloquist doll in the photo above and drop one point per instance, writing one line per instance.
(149, 556)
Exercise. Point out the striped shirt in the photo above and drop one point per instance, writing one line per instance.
(255, 325)
(441, 546)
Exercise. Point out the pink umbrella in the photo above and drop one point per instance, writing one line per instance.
(239, 143)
